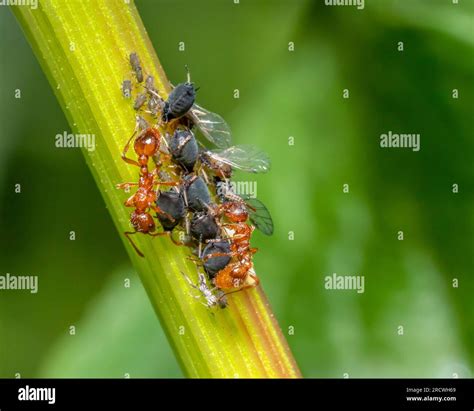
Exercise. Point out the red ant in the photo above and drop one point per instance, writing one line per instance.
(238, 273)
(146, 145)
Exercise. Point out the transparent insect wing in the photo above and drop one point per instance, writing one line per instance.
(243, 157)
(212, 126)
(259, 215)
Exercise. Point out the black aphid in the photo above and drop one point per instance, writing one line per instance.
(213, 265)
(172, 203)
(198, 196)
(184, 149)
(180, 100)
(204, 227)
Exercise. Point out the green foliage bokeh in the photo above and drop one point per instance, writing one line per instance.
(282, 93)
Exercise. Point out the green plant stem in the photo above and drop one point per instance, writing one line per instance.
(83, 48)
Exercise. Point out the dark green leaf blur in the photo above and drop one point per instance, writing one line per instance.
(415, 317)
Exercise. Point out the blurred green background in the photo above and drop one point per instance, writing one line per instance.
(282, 93)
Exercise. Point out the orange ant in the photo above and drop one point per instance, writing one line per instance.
(146, 145)
(238, 273)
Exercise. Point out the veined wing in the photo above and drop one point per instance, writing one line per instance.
(212, 126)
(259, 215)
(243, 157)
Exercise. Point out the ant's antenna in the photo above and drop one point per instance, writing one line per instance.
(128, 234)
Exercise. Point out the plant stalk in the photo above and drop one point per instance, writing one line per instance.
(83, 48)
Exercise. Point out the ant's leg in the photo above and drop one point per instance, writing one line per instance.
(130, 201)
(161, 156)
(170, 235)
(158, 234)
(194, 259)
(253, 250)
(214, 255)
(158, 210)
(167, 233)
(256, 283)
(167, 183)
(173, 168)
(176, 242)
(128, 234)
(125, 186)
(231, 292)
(230, 237)
(157, 181)
(127, 146)
(245, 287)
(165, 156)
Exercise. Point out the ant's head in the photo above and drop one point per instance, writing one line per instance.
(143, 222)
(148, 142)
(236, 212)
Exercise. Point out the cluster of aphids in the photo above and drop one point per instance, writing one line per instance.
(194, 196)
